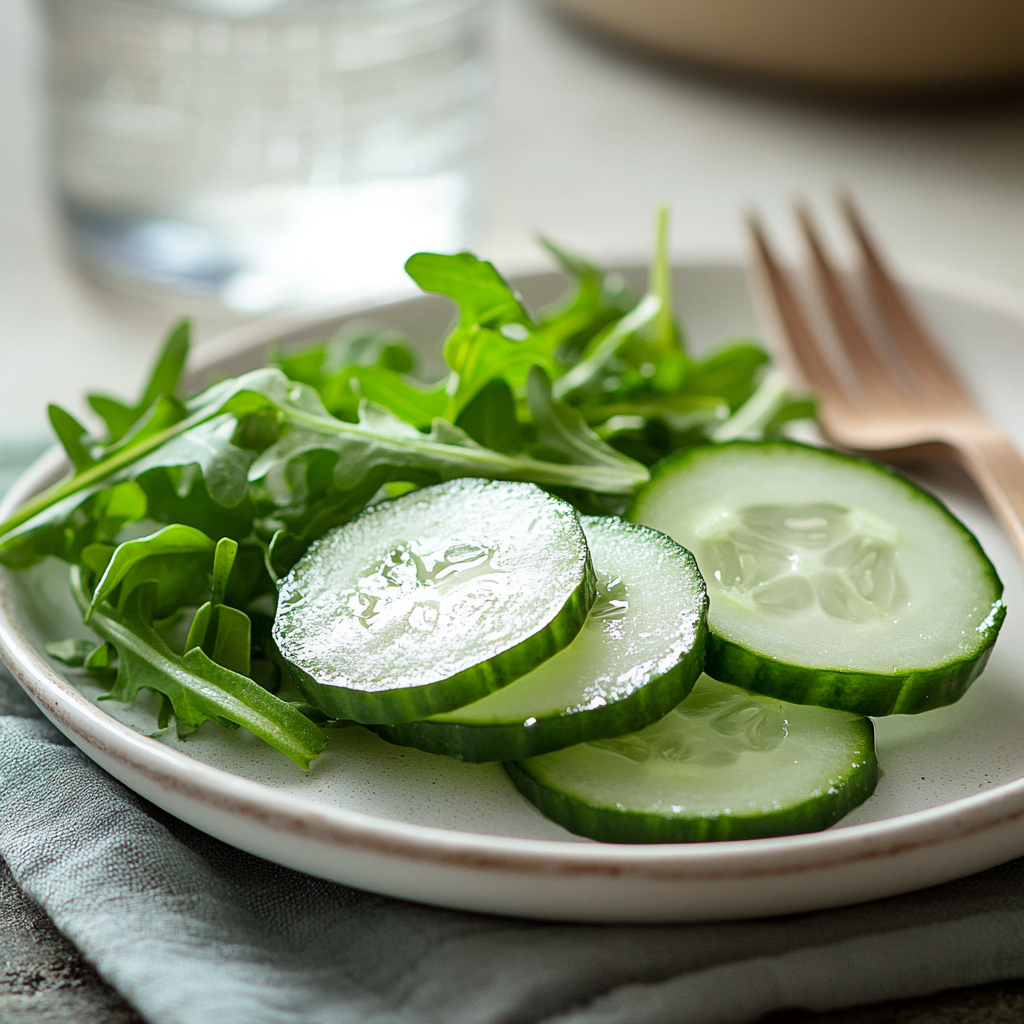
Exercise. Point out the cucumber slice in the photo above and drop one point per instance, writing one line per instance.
(725, 764)
(430, 601)
(636, 658)
(832, 580)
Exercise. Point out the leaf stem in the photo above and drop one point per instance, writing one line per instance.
(750, 419)
(645, 312)
(100, 471)
(622, 479)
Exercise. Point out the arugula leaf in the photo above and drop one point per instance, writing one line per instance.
(763, 407)
(352, 345)
(222, 632)
(163, 380)
(485, 355)
(199, 477)
(598, 300)
(646, 341)
(663, 338)
(730, 373)
(198, 689)
(223, 562)
(637, 386)
(681, 413)
(166, 373)
(232, 638)
(415, 405)
(117, 417)
(562, 432)
(495, 337)
(481, 293)
(490, 418)
(71, 652)
(196, 508)
(97, 557)
(206, 451)
(70, 433)
(310, 517)
(171, 558)
(588, 370)
(381, 439)
(249, 393)
(648, 440)
(356, 351)
(65, 528)
(163, 413)
(802, 407)
(102, 666)
(379, 347)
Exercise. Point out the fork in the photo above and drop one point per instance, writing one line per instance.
(899, 402)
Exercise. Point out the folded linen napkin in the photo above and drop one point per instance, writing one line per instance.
(191, 931)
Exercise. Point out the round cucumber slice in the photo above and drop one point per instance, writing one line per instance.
(428, 602)
(725, 764)
(636, 658)
(832, 580)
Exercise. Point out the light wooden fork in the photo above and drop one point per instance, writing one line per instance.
(904, 400)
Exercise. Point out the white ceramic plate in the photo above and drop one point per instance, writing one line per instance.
(398, 821)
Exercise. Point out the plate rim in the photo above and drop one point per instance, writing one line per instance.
(220, 789)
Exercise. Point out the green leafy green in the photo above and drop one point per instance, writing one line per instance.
(188, 509)
(68, 526)
(163, 382)
(381, 439)
(331, 366)
(198, 689)
(646, 340)
(562, 433)
(593, 365)
(495, 337)
(237, 396)
(663, 338)
(71, 652)
(416, 405)
(729, 373)
(224, 633)
(490, 418)
(481, 293)
(72, 436)
(171, 559)
(598, 300)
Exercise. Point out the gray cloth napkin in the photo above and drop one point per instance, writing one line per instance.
(191, 931)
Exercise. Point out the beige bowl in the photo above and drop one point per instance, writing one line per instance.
(848, 45)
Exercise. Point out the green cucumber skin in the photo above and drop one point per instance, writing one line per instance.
(596, 822)
(515, 743)
(390, 707)
(863, 693)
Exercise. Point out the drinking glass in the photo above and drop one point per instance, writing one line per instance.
(264, 154)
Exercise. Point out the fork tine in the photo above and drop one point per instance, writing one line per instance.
(795, 332)
(909, 336)
(875, 377)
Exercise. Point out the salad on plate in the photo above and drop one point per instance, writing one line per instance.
(584, 553)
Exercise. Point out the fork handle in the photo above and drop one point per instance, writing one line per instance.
(995, 465)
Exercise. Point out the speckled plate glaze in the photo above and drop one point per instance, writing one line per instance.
(414, 825)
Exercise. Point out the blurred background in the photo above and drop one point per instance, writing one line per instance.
(236, 158)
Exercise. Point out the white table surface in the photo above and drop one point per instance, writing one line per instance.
(585, 140)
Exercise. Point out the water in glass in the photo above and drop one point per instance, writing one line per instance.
(264, 153)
